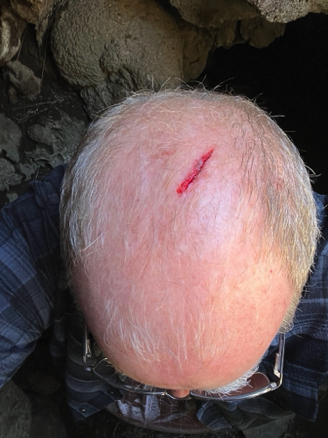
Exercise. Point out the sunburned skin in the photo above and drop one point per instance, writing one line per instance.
(195, 172)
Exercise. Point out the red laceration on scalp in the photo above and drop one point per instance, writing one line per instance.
(195, 172)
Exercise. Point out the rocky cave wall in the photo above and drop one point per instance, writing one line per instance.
(63, 61)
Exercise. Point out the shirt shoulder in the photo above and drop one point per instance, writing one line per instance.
(30, 264)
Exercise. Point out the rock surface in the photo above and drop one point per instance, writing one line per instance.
(15, 412)
(10, 138)
(283, 11)
(213, 13)
(131, 45)
(23, 79)
(56, 139)
(259, 32)
(33, 11)
(11, 29)
(9, 177)
(114, 33)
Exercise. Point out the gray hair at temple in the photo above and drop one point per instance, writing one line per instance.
(273, 169)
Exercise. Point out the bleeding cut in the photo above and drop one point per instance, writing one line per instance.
(198, 166)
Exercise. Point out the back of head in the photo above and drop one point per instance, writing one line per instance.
(179, 211)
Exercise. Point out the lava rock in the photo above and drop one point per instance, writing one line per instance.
(10, 138)
(8, 177)
(259, 32)
(283, 11)
(11, 29)
(58, 138)
(134, 44)
(23, 79)
(15, 412)
(33, 11)
(214, 13)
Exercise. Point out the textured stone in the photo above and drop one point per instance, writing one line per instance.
(135, 35)
(226, 35)
(58, 138)
(46, 423)
(101, 96)
(8, 177)
(196, 48)
(23, 79)
(224, 17)
(15, 412)
(27, 169)
(119, 85)
(133, 43)
(11, 29)
(33, 11)
(259, 32)
(283, 11)
(10, 138)
(213, 13)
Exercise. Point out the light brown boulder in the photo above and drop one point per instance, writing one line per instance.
(135, 43)
(259, 32)
(229, 20)
(212, 13)
(23, 79)
(283, 11)
(33, 11)
(11, 29)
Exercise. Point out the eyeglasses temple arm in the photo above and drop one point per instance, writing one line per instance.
(87, 354)
(279, 362)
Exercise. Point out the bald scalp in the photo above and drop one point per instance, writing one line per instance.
(188, 251)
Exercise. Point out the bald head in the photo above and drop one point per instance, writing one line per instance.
(185, 259)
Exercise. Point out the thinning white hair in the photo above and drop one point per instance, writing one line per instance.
(272, 167)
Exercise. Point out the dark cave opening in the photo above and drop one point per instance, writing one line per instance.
(289, 79)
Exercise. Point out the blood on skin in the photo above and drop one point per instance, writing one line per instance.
(198, 166)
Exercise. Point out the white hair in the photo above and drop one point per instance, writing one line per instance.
(272, 167)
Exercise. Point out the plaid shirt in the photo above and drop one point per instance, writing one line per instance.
(33, 297)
